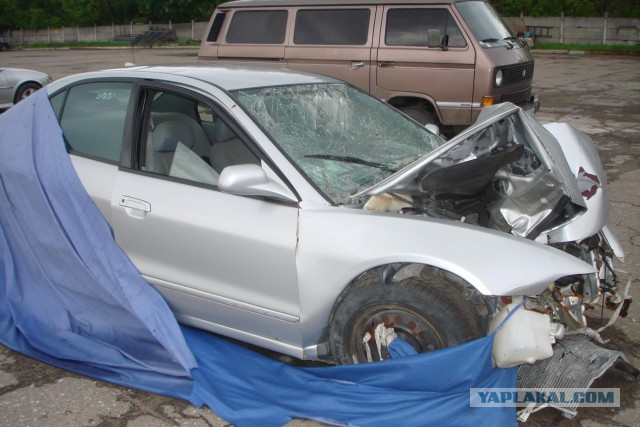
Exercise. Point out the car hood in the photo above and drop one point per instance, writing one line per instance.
(506, 153)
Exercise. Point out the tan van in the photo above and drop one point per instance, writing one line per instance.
(439, 61)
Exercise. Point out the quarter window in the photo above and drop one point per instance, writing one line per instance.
(332, 27)
(423, 27)
(93, 119)
(258, 27)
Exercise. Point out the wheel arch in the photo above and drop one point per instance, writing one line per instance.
(23, 84)
(397, 271)
(401, 101)
(435, 278)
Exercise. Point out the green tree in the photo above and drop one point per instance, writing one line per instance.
(175, 10)
(30, 14)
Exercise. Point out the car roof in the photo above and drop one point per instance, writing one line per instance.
(262, 3)
(229, 76)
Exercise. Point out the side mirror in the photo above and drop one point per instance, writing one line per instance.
(252, 180)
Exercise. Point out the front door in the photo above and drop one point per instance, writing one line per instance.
(424, 53)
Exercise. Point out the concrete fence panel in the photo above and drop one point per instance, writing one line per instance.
(557, 29)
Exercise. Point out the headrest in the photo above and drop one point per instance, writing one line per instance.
(167, 134)
(222, 132)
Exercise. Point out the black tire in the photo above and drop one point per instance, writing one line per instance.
(428, 312)
(25, 91)
(420, 115)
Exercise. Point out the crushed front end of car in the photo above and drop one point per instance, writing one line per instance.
(543, 183)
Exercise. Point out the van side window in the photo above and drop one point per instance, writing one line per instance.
(332, 27)
(258, 26)
(422, 27)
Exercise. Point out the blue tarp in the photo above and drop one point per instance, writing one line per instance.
(70, 297)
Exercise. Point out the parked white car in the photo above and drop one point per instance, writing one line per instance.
(297, 213)
(16, 84)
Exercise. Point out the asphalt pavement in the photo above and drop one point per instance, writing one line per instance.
(598, 94)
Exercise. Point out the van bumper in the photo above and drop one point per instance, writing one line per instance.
(532, 106)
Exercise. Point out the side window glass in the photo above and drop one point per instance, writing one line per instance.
(186, 139)
(93, 119)
(258, 26)
(332, 27)
(422, 27)
(56, 103)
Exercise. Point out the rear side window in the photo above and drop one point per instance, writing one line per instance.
(332, 26)
(93, 119)
(422, 27)
(258, 27)
(216, 26)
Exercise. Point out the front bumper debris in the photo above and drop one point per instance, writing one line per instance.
(580, 361)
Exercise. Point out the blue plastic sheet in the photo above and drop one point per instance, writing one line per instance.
(70, 297)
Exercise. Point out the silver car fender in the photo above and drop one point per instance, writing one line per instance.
(582, 157)
(336, 245)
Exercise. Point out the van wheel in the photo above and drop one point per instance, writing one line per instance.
(420, 115)
(427, 312)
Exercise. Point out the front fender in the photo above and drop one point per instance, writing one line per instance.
(336, 245)
(582, 157)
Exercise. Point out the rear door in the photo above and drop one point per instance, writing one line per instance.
(94, 117)
(333, 41)
(423, 52)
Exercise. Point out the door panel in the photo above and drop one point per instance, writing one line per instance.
(410, 61)
(210, 248)
(334, 41)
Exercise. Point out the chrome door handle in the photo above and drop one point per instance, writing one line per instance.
(356, 65)
(135, 208)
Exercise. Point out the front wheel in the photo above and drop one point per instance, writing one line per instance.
(427, 312)
(25, 91)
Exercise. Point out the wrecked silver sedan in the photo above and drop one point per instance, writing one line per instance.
(297, 213)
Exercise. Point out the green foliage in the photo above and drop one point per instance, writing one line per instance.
(614, 8)
(39, 14)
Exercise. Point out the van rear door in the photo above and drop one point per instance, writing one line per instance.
(334, 41)
(423, 53)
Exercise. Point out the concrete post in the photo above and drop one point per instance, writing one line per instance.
(604, 31)
(562, 27)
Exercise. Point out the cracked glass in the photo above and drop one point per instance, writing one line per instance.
(343, 139)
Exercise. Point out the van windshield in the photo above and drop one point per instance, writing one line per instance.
(486, 24)
(343, 139)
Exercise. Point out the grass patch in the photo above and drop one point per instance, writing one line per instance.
(589, 47)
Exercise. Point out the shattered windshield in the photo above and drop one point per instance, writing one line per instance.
(343, 139)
